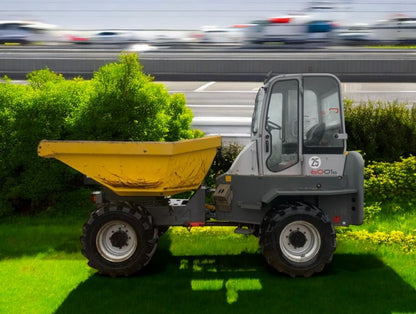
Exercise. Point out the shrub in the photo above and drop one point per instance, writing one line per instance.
(381, 131)
(40, 78)
(125, 104)
(31, 113)
(119, 103)
(371, 211)
(406, 242)
(389, 181)
(222, 162)
(180, 118)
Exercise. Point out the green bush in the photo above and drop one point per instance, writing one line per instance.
(406, 242)
(389, 181)
(119, 103)
(125, 104)
(381, 131)
(222, 162)
(28, 114)
(371, 211)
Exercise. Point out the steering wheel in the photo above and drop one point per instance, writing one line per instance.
(315, 134)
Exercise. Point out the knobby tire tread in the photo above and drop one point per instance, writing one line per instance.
(275, 220)
(140, 220)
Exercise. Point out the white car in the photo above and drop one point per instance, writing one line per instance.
(396, 30)
(26, 32)
(213, 35)
(291, 28)
(110, 37)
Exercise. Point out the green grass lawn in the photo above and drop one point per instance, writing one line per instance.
(205, 270)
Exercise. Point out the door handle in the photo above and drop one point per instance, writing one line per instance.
(267, 143)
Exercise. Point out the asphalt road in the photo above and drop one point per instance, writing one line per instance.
(226, 107)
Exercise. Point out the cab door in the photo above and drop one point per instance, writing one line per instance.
(323, 130)
(280, 142)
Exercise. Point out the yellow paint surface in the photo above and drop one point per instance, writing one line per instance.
(138, 168)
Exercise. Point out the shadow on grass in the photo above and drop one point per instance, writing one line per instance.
(31, 238)
(244, 284)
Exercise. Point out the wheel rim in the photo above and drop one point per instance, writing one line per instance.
(116, 241)
(300, 241)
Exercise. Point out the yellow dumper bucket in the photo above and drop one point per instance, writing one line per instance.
(138, 168)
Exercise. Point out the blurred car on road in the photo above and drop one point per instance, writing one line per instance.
(300, 28)
(110, 37)
(396, 30)
(230, 35)
(355, 34)
(399, 29)
(26, 32)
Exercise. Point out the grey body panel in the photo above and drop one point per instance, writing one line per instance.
(165, 211)
(321, 164)
(246, 162)
(340, 197)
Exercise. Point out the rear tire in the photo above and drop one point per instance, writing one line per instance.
(297, 239)
(119, 239)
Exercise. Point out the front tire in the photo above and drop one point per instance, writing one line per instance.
(119, 239)
(297, 239)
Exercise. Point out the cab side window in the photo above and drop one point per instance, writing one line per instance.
(282, 125)
(321, 116)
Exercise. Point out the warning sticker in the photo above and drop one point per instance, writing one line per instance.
(314, 162)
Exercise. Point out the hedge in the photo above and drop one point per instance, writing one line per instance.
(406, 242)
(388, 181)
(119, 103)
(381, 131)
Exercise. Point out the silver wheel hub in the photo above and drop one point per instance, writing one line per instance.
(116, 241)
(300, 241)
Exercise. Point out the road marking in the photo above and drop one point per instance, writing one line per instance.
(229, 91)
(228, 121)
(378, 92)
(205, 86)
(18, 82)
(222, 106)
(213, 91)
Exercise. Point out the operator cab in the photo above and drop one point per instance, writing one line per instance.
(298, 126)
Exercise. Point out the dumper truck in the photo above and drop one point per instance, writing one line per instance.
(289, 186)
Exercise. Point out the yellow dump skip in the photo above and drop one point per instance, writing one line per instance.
(138, 168)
